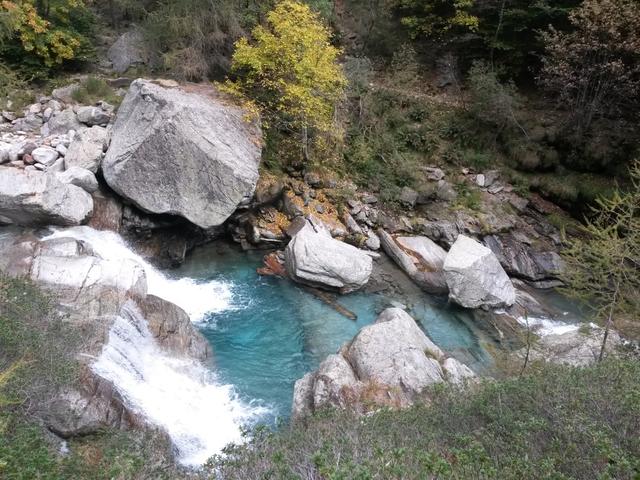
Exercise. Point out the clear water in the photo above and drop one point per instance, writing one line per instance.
(273, 331)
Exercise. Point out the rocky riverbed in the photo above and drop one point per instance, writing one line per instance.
(178, 166)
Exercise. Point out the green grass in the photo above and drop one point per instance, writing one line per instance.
(94, 89)
(37, 359)
(554, 423)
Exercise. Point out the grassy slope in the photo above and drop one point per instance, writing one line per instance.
(555, 423)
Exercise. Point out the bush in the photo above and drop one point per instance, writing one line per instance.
(41, 37)
(94, 89)
(555, 423)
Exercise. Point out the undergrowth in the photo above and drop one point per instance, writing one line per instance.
(554, 423)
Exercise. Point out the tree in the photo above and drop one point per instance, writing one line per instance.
(290, 72)
(437, 18)
(595, 69)
(603, 268)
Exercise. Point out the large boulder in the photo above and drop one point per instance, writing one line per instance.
(420, 258)
(314, 258)
(182, 151)
(475, 277)
(521, 260)
(39, 198)
(130, 49)
(389, 363)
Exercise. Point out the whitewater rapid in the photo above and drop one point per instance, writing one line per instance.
(200, 414)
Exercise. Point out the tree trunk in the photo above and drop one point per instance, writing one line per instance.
(609, 323)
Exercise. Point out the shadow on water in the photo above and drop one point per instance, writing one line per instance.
(275, 331)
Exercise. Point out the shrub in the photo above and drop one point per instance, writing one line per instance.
(45, 35)
(290, 72)
(555, 422)
(94, 89)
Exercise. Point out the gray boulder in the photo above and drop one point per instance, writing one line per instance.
(420, 258)
(395, 352)
(80, 177)
(129, 50)
(389, 363)
(61, 123)
(93, 116)
(314, 258)
(45, 155)
(475, 277)
(64, 94)
(38, 198)
(523, 261)
(182, 151)
(87, 149)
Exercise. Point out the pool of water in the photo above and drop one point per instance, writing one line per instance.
(273, 331)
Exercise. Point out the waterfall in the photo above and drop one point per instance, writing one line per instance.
(199, 414)
(197, 299)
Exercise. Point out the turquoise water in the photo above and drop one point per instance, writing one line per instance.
(273, 331)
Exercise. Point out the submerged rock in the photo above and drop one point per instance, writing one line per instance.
(475, 277)
(39, 198)
(314, 258)
(389, 363)
(182, 151)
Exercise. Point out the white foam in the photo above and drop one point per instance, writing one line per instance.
(547, 326)
(196, 298)
(200, 414)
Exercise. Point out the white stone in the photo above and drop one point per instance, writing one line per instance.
(475, 277)
(45, 155)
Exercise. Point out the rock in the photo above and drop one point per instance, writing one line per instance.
(38, 198)
(312, 179)
(182, 152)
(5, 152)
(480, 180)
(576, 348)
(434, 174)
(64, 94)
(107, 212)
(29, 123)
(80, 177)
(446, 192)
(290, 207)
(456, 372)
(87, 149)
(408, 197)
(58, 166)
(369, 199)
(93, 116)
(130, 49)
(419, 258)
(314, 258)
(521, 260)
(351, 224)
(475, 277)
(173, 329)
(61, 149)
(90, 409)
(268, 191)
(373, 242)
(62, 122)
(387, 364)
(45, 155)
(395, 352)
